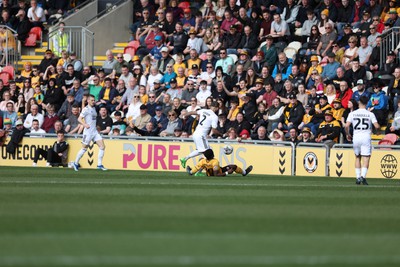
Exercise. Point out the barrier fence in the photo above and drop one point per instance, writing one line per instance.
(268, 158)
(10, 51)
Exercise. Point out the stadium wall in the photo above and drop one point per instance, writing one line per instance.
(268, 158)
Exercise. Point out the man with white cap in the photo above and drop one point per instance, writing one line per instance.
(164, 60)
(361, 90)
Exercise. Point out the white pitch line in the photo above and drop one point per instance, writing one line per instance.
(183, 183)
(65, 260)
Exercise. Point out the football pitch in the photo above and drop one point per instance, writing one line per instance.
(58, 217)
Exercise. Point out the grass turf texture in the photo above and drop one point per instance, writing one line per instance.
(58, 217)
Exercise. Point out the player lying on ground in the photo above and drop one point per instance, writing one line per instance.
(212, 168)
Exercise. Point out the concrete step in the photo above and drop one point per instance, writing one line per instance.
(31, 57)
(123, 45)
(21, 63)
(100, 58)
(116, 51)
(96, 63)
(377, 136)
(40, 50)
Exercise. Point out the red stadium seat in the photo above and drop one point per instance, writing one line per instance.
(5, 77)
(10, 70)
(134, 44)
(35, 35)
(31, 40)
(130, 50)
(388, 139)
(37, 31)
(184, 5)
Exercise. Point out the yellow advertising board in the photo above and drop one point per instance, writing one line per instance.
(310, 161)
(127, 154)
(384, 163)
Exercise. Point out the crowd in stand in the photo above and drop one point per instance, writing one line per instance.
(22, 15)
(232, 52)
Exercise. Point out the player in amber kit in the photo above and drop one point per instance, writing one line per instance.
(212, 168)
(362, 121)
(90, 133)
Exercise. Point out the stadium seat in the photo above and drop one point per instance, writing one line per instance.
(127, 57)
(35, 35)
(369, 75)
(37, 31)
(130, 50)
(262, 44)
(290, 52)
(5, 77)
(184, 5)
(10, 70)
(234, 57)
(296, 45)
(388, 139)
(134, 44)
(31, 40)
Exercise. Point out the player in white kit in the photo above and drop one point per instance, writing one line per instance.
(88, 119)
(362, 121)
(208, 121)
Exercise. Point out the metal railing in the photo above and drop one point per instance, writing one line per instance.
(390, 41)
(71, 11)
(108, 9)
(10, 51)
(80, 40)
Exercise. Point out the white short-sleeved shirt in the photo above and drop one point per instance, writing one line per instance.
(39, 13)
(89, 114)
(207, 120)
(362, 121)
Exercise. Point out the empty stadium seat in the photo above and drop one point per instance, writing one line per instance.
(130, 50)
(35, 36)
(10, 70)
(234, 57)
(37, 31)
(31, 40)
(369, 75)
(184, 5)
(290, 52)
(296, 45)
(134, 44)
(127, 57)
(388, 140)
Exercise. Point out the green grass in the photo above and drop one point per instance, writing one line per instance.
(57, 217)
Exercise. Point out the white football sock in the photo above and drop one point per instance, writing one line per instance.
(80, 155)
(364, 172)
(358, 172)
(100, 157)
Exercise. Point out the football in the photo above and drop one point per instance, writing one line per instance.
(228, 149)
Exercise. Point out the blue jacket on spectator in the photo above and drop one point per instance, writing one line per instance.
(285, 69)
(378, 101)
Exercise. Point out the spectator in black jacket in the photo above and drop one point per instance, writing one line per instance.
(292, 114)
(231, 40)
(249, 41)
(48, 60)
(55, 155)
(150, 130)
(22, 25)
